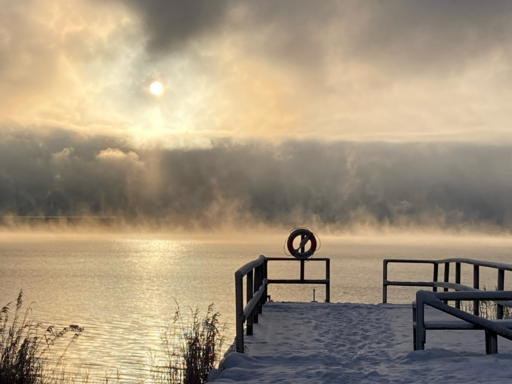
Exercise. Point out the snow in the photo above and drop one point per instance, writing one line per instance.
(359, 343)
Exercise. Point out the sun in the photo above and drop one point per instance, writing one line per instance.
(156, 88)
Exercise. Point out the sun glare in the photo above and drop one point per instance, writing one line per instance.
(156, 88)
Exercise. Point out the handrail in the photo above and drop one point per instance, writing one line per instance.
(438, 300)
(255, 300)
(256, 273)
(481, 263)
(446, 284)
(244, 270)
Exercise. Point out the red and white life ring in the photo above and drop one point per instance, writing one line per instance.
(306, 235)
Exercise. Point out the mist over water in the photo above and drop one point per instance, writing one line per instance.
(332, 185)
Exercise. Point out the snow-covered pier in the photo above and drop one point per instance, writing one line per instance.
(367, 343)
(359, 343)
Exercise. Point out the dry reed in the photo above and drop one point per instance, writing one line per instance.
(191, 347)
(25, 347)
(190, 344)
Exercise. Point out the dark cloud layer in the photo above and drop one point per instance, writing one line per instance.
(416, 35)
(431, 35)
(336, 184)
(172, 23)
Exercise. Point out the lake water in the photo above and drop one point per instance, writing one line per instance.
(124, 288)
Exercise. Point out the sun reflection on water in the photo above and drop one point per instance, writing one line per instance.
(124, 290)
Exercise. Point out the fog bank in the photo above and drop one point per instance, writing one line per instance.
(334, 184)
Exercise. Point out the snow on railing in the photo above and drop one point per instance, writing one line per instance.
(446, 284)
(492, 328)
(256, 273)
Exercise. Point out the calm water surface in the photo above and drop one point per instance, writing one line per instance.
(123, 289)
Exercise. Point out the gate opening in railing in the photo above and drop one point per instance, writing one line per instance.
(257, 281)
(256, 273)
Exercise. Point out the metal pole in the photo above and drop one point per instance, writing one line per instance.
(249, 294)
(420, 324)
(265, 276)
(257, 283)
(476, 284)
(457, 281)
(501, 286)
(446, 274)
(239, 303)
(385, 282)
(260, 283)
(414, 325)
(328, 278)
(302, 249)
(491, 342)
(446, 278)
(436, 276)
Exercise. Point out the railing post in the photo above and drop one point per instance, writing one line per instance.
(491, 342)
(249, 295)
(328, 278)
(446, 278)
(239, 303)
(302, 264)
(265, 276)
(420, 322)
(436, 276)
(501, 286)
(257, 283)
(446, 274)
(385, 282)
(457, 281)
(414, 325)
(476, 285)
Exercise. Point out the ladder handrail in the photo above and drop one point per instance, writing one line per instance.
(438, 300)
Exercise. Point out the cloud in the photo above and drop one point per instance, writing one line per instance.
(110, 154)
(336, 184)
(170, 24)
(287, 112)
(396, 71)
(415, 34)
(431, 37)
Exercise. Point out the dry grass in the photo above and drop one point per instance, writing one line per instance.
(25, 347)
(488, 309)
(190, 349)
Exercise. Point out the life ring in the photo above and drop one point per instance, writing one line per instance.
(309, 236)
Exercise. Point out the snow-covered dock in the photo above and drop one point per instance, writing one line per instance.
(359, 343)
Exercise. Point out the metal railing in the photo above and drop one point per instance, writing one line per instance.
(446, 284)
(492, 328)
(256, 273)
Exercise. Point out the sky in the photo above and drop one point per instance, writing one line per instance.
(290, 112)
